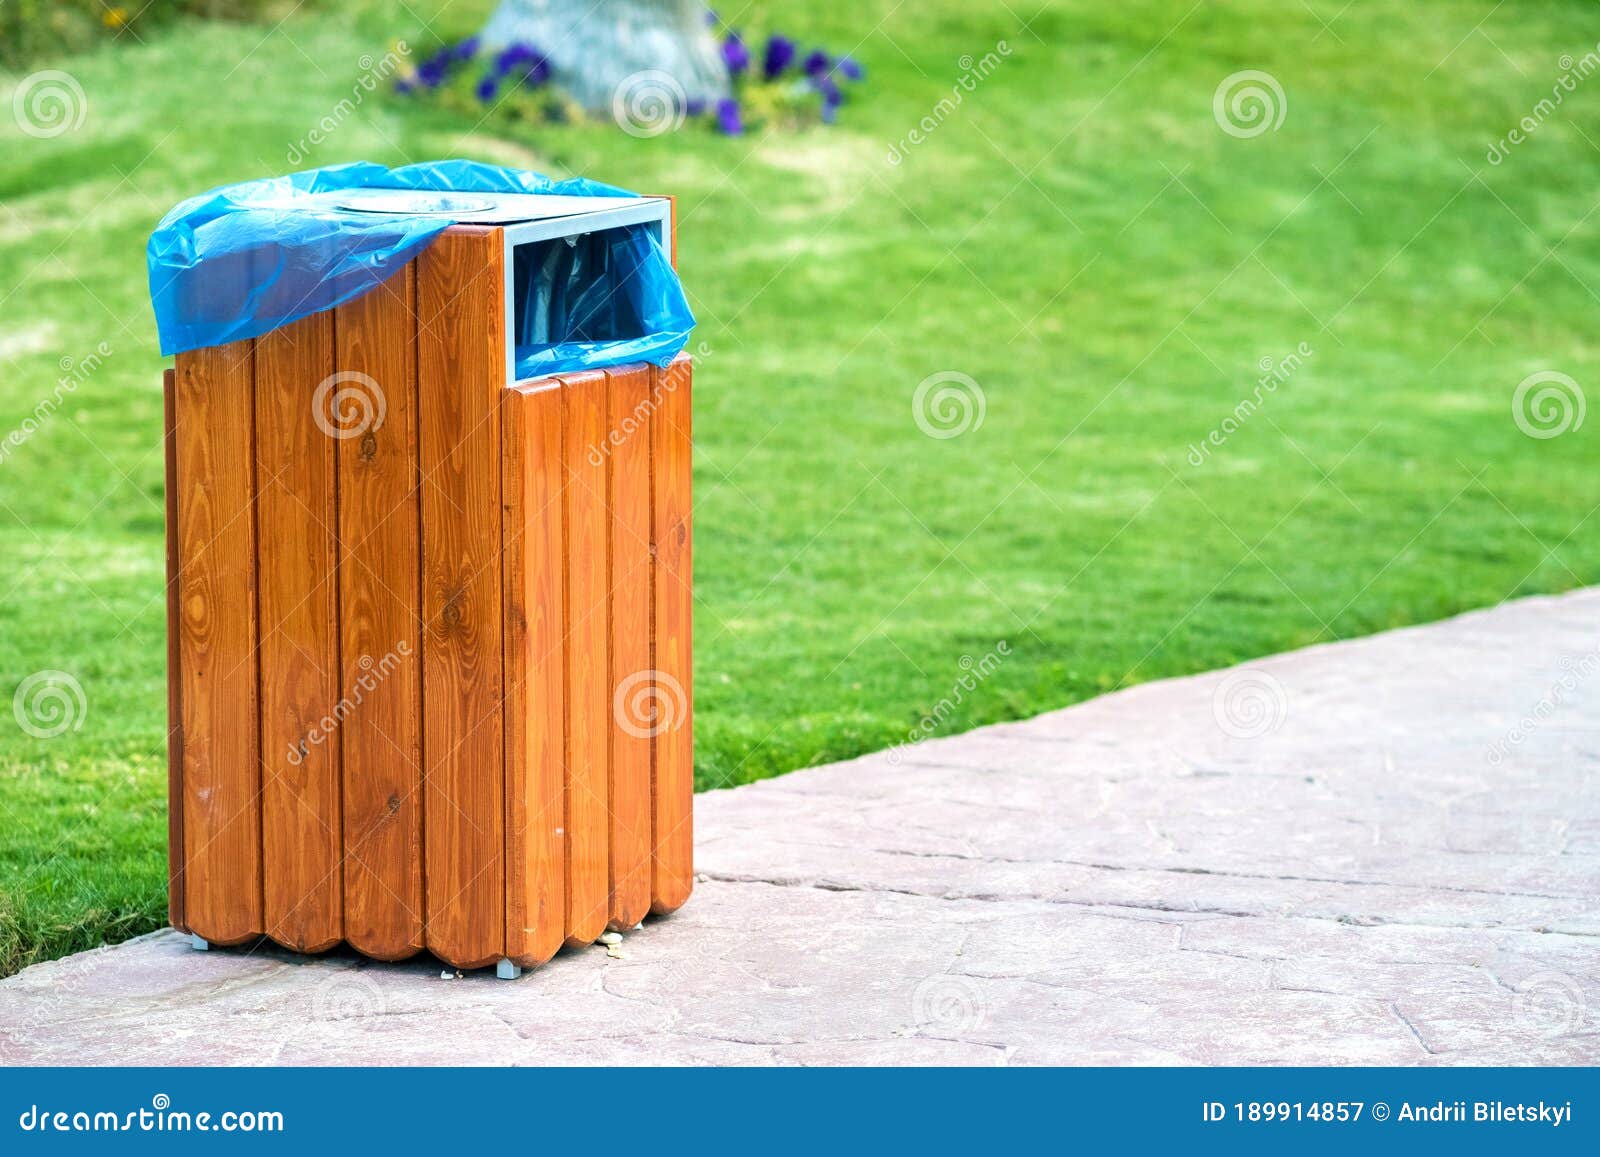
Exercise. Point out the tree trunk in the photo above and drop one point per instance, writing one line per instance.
(598, 48)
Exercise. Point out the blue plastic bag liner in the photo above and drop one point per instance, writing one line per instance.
(601, 299)
(243, 260)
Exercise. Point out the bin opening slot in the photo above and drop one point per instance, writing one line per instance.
(592, 299)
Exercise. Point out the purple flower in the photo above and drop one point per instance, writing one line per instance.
(487, 87)
(522, 64)
(513, 55)
(735, 55)
(467, 49)
(536, 73)
(780, 54)
(403, 86)
(432, 71)
(728, 119)
(851, 68)
(829, 88)
(832, 98)
(695, 106)
(817, 63)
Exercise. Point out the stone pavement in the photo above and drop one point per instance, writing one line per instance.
(1378, 852)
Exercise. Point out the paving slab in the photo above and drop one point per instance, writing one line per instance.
(1384, 851)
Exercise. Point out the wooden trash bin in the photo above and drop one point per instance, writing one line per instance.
(429, 628)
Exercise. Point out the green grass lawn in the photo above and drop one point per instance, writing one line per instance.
(1079, 237)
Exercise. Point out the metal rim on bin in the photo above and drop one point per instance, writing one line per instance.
(411, 203)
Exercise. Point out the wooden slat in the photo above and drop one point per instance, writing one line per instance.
(174, 670)
(588, 624)
(631, 683)
(460, 374)
(301, 843)
(214, 396)
(671, 430)
(531, 530)
(380, 605)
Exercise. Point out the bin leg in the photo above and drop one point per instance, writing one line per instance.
(199, 943)
(506, 970)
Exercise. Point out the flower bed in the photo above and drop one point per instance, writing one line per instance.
(774, 85)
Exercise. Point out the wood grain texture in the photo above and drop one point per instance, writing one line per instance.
(214, 395)
(460, 374)
(380, 608)
(175, 872)
(672, 449)
(301, 843)
(429, 634)
(535, 722)
(588, 626)
(633, 715)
